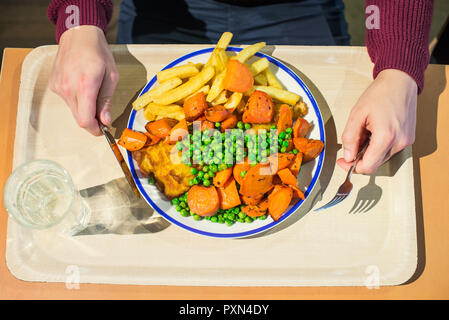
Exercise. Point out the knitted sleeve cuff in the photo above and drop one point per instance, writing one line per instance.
(67, 14)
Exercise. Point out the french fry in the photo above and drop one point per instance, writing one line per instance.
(150, 95)
(197, 65)
(248, 52)
(187, 88)
(184, 71)
(204, 89)
(224, 41)
(221, 99)
(233, 100)
(149, 115)
(216, 88)
(259, 66)
(261, 79)
(222, 44)
(249, 92)
(284, 96)
(172, 111)
(221, 60)
(271, 79)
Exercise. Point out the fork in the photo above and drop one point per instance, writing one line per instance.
(346, 188)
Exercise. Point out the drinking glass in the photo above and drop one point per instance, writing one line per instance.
(40, 194)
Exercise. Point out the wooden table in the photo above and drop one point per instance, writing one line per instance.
(431, 155)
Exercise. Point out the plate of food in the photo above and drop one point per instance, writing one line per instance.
(225, 142)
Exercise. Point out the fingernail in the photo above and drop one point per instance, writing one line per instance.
(347, 156)
(107, 117)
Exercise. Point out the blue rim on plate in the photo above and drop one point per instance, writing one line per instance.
(267, 226)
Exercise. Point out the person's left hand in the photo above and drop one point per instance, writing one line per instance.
(386, 112)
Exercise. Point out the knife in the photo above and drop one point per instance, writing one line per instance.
(119, 157)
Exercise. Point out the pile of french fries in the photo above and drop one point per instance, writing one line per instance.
(181, 82)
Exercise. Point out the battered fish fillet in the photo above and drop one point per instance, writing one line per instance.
(171, 178)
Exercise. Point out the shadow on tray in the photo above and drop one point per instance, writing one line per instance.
(425, 144)
(115, 209)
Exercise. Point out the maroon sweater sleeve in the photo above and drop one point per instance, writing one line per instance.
(401, 40)
(89, 12)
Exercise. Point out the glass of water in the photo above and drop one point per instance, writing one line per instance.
(40, 194)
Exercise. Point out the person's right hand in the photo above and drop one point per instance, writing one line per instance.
(85, 76)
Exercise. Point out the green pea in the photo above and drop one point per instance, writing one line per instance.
(242, 215)
(175, 201)
(247, 126)
(240, 220)
(206, 182)
(295, 151)
(191, 182)
(206, 168)
(214, 168)
(289, 130)
(285, 143)
(288, 136)
(223, 166)
(231, 216)
(243, 173)
(184, 213)
(262, 217)
(283, 149)
(229, 222)
(214, 219)
(196, 180)
(217, 124)
(196, 217)
(178, 208)
(151, 180)
(183, 204)
(282, 135)
(200, 174)
(194, 171)
(248, 220)
(273, 127)
(240, 125)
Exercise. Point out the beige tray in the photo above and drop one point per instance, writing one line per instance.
(130, 244)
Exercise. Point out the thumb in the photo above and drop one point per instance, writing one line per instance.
(353, 135)
(104, 101)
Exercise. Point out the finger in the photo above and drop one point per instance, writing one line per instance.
(379, 145)
(104, 101)
(353, 135)
(87, 95)
(344, 165)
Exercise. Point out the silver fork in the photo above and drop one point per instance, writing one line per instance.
(346, 188)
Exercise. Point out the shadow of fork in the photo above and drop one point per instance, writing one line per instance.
(367, 197)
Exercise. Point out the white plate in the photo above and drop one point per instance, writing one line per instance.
(307, 179)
